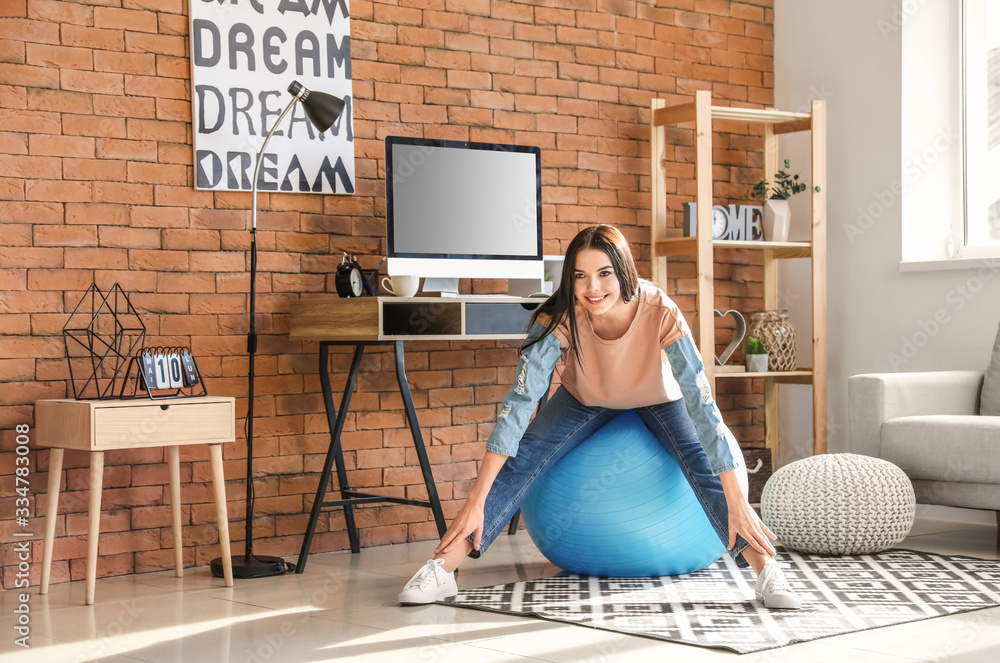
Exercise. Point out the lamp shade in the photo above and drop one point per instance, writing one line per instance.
(321, 108)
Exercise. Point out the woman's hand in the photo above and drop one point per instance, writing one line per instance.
(468, 520)
(743, 520)
(470, 517)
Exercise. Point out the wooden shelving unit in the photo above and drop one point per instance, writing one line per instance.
(703, 248)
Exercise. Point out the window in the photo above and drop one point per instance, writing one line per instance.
(979, 231)
(950, 135)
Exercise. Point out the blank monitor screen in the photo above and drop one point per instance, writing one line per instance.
(450, 199)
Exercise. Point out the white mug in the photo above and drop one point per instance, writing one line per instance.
(401, 285)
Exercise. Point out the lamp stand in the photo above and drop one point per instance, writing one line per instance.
(250, 565)
(323, 110)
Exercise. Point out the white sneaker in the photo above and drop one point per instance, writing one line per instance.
(431, 583)
(773, 589)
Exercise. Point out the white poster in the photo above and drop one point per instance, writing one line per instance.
(244, 54)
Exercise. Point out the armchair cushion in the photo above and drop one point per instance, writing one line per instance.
(944, 447)
(876, 398)
(989, 403)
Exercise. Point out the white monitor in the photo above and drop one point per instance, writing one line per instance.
(457, 209)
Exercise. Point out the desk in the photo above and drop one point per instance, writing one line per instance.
(99, 426)
(367, 321)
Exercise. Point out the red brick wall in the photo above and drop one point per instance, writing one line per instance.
(96, 186)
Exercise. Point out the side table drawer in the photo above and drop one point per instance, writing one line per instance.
(150, 425)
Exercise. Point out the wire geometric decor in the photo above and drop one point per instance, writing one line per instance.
(101, 335)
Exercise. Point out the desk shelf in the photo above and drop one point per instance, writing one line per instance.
(410, 318)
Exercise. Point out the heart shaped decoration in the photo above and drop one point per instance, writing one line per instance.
(741, 331)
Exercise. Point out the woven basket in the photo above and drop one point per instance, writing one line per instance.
(839, 504)
(778, 335)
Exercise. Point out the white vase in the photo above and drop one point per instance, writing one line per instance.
(756, 363)
(777, 220)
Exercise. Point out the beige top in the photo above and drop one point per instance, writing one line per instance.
(631, 371)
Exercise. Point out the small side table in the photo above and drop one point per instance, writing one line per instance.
(97, 426)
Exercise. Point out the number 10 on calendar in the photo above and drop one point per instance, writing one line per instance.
(168, 368)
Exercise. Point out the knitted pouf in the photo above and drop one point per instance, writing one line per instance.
(839, 504)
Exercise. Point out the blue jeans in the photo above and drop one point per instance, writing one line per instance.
(563, 423)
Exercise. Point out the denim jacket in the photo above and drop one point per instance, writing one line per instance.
(715, 437)
(534, 374)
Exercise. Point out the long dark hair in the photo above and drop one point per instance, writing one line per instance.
(562, 304)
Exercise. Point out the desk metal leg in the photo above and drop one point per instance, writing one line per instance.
(55, 475)
(418, 441)
(514, 522)
(335, 422)
(348, 496)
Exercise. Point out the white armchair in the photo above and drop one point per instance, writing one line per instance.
(928, 424)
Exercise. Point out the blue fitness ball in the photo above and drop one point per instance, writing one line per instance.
(619, 505)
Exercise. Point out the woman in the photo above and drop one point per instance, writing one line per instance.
(626, 346)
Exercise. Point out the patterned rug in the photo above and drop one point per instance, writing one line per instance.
(715, 607)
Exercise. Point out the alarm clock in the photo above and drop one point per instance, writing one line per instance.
(349, 280)
(721, 223)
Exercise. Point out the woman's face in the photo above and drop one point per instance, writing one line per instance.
(595, 283)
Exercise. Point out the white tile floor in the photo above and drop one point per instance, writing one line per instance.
(343, 609)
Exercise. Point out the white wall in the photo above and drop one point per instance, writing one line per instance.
(879, 318)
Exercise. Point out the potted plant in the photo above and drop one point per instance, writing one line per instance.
(756, 355)
(547, 284)
(774, 198)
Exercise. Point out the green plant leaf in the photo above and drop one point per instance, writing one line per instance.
(754, 346)
(785, 186)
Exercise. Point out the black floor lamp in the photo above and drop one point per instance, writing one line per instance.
(322, 110)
